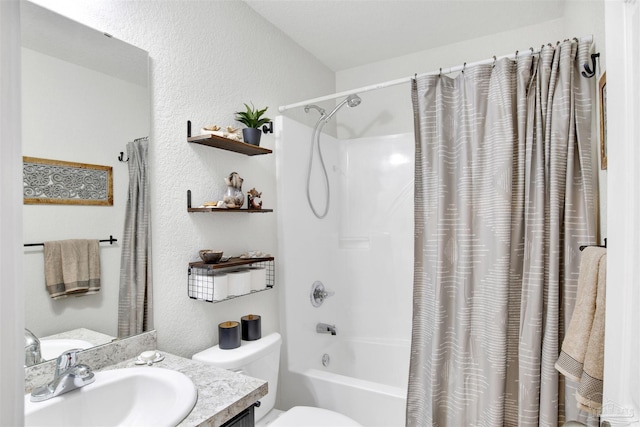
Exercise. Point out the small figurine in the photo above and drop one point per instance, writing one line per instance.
(233, 198)
(230, 132)
(212, 130)
(233, 133)
(254, 195)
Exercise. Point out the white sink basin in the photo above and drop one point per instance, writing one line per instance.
(146, 396)
(51, 349)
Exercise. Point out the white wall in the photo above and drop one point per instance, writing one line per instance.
(85, 117)
(622, 343)
(11, 293)
(207, 58)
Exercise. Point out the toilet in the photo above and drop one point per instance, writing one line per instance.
(261, 359)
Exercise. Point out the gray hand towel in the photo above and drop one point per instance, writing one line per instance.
(72, 267)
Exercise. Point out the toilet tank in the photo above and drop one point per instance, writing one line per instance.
(258, 359)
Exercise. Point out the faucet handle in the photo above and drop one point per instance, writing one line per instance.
(319, 293)
(66, 360)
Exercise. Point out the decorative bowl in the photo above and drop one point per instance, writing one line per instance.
(210, 257)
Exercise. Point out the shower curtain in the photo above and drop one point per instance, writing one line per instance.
(135, 301)
(504, 197)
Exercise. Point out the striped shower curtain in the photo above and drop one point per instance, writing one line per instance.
(135, 301)
(504, 197)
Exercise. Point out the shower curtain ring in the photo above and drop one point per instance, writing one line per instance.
(464, 66)
(494, 61)
(440, 75)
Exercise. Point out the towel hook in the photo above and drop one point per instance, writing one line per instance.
(121, 158)
(591, 71)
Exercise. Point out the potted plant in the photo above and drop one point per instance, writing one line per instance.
(252, 119)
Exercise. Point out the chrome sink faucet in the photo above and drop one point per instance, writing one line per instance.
(324, 328)
(32, 353)
(69, 376)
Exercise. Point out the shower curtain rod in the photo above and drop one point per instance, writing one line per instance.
(396, 82)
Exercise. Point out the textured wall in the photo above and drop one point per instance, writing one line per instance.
(207, 58)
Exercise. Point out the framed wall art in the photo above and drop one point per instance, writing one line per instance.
(66, 183)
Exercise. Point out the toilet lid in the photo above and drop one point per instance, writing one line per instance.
(306, 416)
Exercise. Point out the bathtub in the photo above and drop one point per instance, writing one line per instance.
(365, 379)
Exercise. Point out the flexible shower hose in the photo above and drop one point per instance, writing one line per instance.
(315, 141)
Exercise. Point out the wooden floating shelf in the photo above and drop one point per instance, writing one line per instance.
(229, 145)
(228, 210)
(233, 262)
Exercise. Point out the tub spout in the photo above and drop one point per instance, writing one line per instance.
(324, 328)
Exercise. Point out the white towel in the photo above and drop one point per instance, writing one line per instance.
(582, 355)
(72, 267)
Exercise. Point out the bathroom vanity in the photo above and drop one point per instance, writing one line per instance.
(225, 398)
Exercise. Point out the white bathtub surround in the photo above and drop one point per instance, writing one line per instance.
(362, 250)
(365, 379)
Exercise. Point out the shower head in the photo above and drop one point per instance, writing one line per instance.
(351, 100)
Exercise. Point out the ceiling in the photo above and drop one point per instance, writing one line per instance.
(344, 34)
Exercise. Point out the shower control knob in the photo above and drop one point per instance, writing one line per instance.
(318, 293)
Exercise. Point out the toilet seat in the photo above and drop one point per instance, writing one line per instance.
(307, 416)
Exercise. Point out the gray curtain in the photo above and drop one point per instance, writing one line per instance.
(135, 303)
(504, 198)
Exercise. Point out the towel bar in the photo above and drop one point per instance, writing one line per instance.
(111, 241)
(582, 248)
